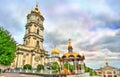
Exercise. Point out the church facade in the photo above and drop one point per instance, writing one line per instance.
(32, 51)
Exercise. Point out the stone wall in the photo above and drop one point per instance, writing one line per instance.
(4, 67)
(80, 75)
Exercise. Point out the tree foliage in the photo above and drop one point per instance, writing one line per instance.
(40, 67)
(55, 66)
(69, 66)
(7, 47)
(27, 67)
(90, 70)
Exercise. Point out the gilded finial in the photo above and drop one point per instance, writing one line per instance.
(36, 4)
(69, 41)
(36, 8)
(106, 63)
(69, 44)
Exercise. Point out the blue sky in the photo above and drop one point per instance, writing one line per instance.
(93, 26)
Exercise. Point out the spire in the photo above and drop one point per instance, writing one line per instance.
(36, 6)
(69, 45)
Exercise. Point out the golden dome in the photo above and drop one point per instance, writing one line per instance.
(55, 51)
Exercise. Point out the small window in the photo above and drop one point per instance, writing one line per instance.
(27, 41)
(109, 75)
(114, 72)
(38, 31)
(23, 62)
(115, 76)
(37, 45)
(23, 56)
(29, 30)
(38, 19)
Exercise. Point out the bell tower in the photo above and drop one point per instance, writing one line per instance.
(32, 51)
(34, 29)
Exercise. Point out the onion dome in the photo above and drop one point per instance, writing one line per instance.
(55, 51)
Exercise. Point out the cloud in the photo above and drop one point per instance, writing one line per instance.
(92, 25)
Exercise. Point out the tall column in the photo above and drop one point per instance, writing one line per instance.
(19, 56)
(82, 67)
(43, 60)
(79, 66)
(33, 55)
(68, 67)
(20, 60)
(75, 66)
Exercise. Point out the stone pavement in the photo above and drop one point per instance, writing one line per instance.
(16, 75)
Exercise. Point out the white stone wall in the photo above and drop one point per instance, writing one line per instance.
(80, 75)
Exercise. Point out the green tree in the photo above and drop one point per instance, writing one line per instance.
(40, 67)
(7, 47)
(55, 66)
(70, 67)
(66, 65)
(90, 70)
(27, 67)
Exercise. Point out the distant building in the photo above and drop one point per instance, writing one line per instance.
(54, 56)
(70, 57)
(32, 51)
(108, 71)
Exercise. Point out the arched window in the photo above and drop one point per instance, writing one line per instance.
(27, 41)
(23, 62)
(63, 57)
(115, 75)
(71, 57)
(109, 75)
(38, 31)
(78, 57)
(37, 44)
(29, 30)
